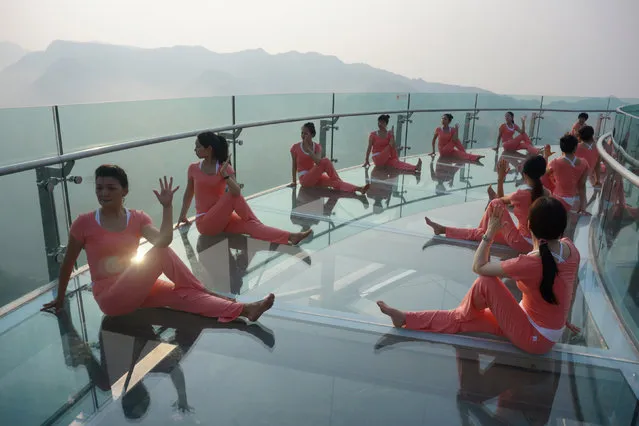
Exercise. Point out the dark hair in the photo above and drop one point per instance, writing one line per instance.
(448, 116)
(568, 143)
(218, 143)
(535, 168)
(583, 115)
(113, 171)
(586, 133)
(384, 117)
(547, 219)
(310, 127)
(512, 116)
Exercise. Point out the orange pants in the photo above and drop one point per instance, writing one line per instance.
(324, 174)
(456, 149)
(508, 234)
(502, 317)
(520, 142)
(388, 157)
(138, 287)
(232, 214)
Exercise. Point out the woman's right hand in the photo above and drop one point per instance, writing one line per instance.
(292, 184)
(502, 169)
(366, 164)
(224, 166)
(56, 305)
(432, 154)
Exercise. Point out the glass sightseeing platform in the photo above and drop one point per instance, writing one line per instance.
(324, 355)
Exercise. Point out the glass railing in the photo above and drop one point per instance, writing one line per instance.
(261, 152)
(616, 242)
(77, 339)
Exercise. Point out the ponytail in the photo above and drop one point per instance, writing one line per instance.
(537, 190)
(549, 272)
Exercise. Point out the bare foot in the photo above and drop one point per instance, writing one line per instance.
(298, 237)
(419, 166)
(253, 311)
(491, 193)
(364, 189)
(397, 316)
(437, 228)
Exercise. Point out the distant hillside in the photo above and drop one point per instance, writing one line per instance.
(71, 72)
(10, 53)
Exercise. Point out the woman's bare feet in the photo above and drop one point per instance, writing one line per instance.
(437, 228)
(397, 316)
(419, 166)
(298, 237)
(253, 311)
(491, 193)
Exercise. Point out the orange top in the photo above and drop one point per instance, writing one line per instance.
(109, 253)
(208, 188)
(521, 201)
(575, 128)
(567, 174)
(589, 153)
(508, 133)
(444, 138)
(527, 271)
(303, 160)
(379, 143)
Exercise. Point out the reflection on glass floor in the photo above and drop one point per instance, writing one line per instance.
(293, 368)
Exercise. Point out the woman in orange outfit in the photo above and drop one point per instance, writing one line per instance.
(382, 144)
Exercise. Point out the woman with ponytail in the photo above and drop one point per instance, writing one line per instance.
(546, 277)
(219, 203)
(507, 135)
(518, 237)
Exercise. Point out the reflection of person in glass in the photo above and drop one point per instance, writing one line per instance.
(449, 144)
(521, 393)
(219, 203)
(546, 277)
(444, 171)
(516, 236)
(507, 135)
(382, 144)
(118, 360)
(312, 170)
(121, 283)
(383, 181)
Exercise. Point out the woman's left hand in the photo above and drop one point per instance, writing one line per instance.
(165, 196)
(494, 223)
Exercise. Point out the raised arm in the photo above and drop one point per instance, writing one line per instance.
(481, 262)
(163, 236)
(74, 247)
(502, 172)
(496, 148)
(228, 174)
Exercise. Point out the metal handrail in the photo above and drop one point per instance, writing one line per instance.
(122, 146)
(620, 110)
(624, 172)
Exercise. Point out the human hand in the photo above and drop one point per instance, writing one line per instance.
(165, 196)
(432, 154)
(224, 166)
(55, 305)
(182, 220)
(494, 223)
(502, 169)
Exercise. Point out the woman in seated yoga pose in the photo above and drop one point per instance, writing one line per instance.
(516, 236)
(110, 235)
(545, 276)
(568, 175)
(312, 170)
(449, 144)
(507, 132)
(382, 143)
(219, 204)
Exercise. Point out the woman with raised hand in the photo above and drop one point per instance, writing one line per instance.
(546, 277)
(219, 204)
(449, 144)
(507, 135)
(110, 236)
(382, 144)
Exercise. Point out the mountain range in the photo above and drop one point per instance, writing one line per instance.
(74, 72)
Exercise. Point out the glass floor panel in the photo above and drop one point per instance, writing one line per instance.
(84, 368)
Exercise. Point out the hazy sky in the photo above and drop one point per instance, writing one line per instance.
(551, 47)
